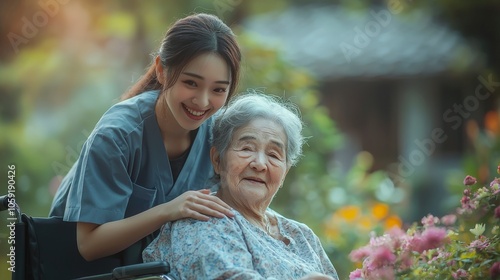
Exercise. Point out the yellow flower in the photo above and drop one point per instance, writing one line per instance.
(349, 213)
(365, 223)
(478, 229)
(380, 210)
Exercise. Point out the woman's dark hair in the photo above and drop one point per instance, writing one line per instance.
(187, 38)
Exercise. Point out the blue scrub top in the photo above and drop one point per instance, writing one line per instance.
(123, 168)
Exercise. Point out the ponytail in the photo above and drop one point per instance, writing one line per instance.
(147, 82)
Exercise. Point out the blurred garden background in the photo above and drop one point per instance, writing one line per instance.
(400, 98)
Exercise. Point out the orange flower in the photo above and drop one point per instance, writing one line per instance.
(492, 122)
(380, 211)
(392, 221)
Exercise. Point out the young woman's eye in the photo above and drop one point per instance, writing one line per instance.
(190, 83)
(220, 90)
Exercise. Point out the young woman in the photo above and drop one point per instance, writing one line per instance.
(147, 161)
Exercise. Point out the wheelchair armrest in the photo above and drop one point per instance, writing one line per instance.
(141, 269)
(132, 271)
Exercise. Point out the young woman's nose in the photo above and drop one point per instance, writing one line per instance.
(201, 99)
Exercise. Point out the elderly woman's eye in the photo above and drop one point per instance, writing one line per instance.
(275, 155)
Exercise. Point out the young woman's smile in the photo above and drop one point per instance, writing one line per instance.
(193, 113)
(199, 92)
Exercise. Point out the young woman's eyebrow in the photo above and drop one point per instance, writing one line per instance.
(201, 78)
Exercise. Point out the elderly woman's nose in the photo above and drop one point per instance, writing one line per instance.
(259, 162)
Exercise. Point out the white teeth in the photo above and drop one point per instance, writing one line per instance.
(196, 113)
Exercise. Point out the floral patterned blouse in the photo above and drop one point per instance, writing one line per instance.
(233, 248)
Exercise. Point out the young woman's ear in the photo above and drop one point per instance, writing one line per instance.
(215, 158)
(160, 70)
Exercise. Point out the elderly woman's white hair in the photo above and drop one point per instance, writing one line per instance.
(249, 106)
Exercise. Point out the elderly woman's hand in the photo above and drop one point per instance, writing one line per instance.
(317, 276)
(198, 205)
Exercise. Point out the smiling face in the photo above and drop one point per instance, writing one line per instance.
(254, 166)
(199, 92)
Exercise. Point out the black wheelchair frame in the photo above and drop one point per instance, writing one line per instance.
(46, 248)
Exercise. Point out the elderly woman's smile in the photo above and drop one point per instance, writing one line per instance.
(255, 164)
(254, 179)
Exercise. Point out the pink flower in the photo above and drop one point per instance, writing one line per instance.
(398, 237)
(406, 260)
(356, 274)
(495, 271)
(467, 204)
(469, 180)
(459, 274)
(441, 255)
(480, 244)
(382, 273)
(429, 220)
(497, 212)
(381, 256)
(495, 181)
(467, 192)
(431, 238)
(495, 186)
(360, 254)
(449, 220)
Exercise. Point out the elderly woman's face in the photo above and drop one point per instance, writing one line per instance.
(255, 163)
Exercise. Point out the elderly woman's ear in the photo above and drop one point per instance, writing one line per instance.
(215, 158)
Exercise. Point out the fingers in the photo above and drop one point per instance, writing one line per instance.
(201, 205)
(226, 209)
(205, 191)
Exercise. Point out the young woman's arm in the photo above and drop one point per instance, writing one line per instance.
(96, 241)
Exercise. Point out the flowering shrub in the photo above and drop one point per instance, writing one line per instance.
(352, 219)
(463, 245)
(358, 202)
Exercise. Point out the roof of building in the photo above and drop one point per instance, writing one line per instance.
(335, 42)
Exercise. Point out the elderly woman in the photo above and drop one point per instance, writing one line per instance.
(255, 142)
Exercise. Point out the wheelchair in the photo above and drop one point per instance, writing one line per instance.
(46, 249)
